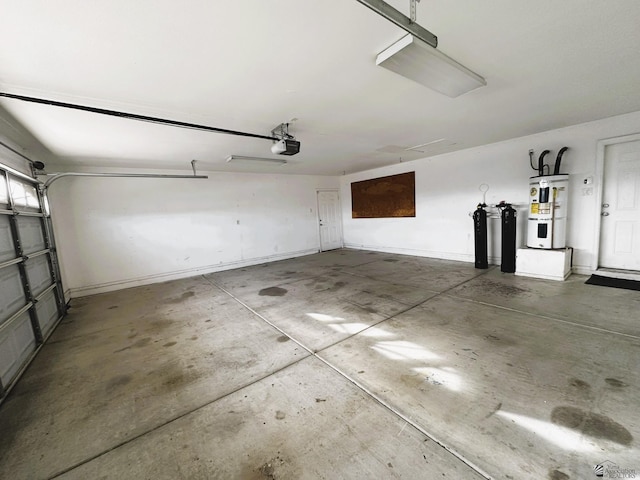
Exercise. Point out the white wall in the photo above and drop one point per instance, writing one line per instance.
(120, 232)
(447, 190)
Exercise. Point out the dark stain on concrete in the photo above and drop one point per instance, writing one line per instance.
(280, 415)
(181, 298)
(614, 382)
(500, 340)
(113, 307)
(267, 471)
(412, 381)
(143, 342)
(493, 412)
(318, 400)
(391, 260)
(195, 337)
(592, 424)
(169, 344)
(175, 380)
(273, 292)
(283, 338)
(292, 272)
(558, 475)
(504, 290)
(160, 325)
(580, 385)
(117, 381)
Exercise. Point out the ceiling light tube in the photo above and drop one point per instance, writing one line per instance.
(242, 158)
(414, 59)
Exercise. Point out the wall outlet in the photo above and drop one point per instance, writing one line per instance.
(587, 180)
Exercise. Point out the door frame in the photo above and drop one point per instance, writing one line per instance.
(337, 190)
(600, 156)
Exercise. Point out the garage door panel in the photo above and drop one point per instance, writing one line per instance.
(39, 274)
(30, 303)
(12, 296)
(24, 195)
(31, 234)
(17, 343)
(7, 248)
(47, 310)
(4, 194)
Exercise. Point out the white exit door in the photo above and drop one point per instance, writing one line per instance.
(329, 219)
(620, 209)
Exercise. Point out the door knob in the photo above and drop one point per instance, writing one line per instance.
(605, 205)
(605, 214)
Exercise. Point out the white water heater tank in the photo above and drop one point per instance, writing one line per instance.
(547, 224)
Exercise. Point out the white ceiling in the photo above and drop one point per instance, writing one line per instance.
(249, 65)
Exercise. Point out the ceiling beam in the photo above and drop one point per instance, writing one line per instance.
(402, 21)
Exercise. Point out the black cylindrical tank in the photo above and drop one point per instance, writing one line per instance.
(480, 236)
(508, 220)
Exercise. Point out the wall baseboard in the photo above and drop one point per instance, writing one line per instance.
(580, 270)
(176, 275)
(457, 257)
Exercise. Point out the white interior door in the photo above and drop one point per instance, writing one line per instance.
(620, 209)
(330, 220)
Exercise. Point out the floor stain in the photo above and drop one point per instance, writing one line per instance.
(195, 337)
(117, 381)
(143, 342)
(280, 415)
(614, 382)
(505, 342)
(273, 292)
(160, 325)
(592, 424)
(391, 260)
(580, 385)
(112, 307)
(493, 412)
(175, 380)
(267, 470)
(318, 400)
(504, 290)
(181, 298)
(169, 344)
(283, 338)
(558, 475)
(413, 381)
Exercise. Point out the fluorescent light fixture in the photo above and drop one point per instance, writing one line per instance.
(241, 158)
(418, 61)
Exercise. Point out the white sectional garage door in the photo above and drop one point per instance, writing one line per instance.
(31, 298)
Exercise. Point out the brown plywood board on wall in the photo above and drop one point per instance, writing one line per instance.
(392, 196)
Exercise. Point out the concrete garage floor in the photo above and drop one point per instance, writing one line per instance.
(345, 364)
